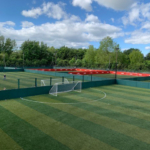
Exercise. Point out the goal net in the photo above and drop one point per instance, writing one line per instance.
(65, 87)
(46, 82)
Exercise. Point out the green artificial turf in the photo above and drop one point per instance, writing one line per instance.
(78, 121)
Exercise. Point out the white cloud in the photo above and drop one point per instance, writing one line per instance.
(26, 24)
(53, 10)
(147, 48)
(116, 4)
(91, 18)
(84, 4)
(139, 37)
(137, 14)
(33, 13)
(49, 9)
(113, 4)
(7, 24)
(71, 32)
(146, 25)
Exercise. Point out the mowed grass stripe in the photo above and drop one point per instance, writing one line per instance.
(123, 100)
(125, 87)
(68, 136)
(129, 97)
(97, 108)
(7, 143)
(139, 93)
(121, 127)
(126, 102)
(26, 135)
(127, 111)
(104, 134)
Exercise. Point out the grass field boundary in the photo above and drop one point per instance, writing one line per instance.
(25, 92)
(66, 103)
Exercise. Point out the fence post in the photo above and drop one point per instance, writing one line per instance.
(91, 77)
(83, 78)
(18, 83)
(50, 81)
(35, 82)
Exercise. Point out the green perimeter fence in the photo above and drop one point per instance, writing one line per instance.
(134, 83)
(17, 93)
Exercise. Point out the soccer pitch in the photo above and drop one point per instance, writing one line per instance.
(26, 79)
(103, 118)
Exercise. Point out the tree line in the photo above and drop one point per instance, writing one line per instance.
(35, 53)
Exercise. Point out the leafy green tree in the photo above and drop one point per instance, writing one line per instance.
(90, 56)
(2, 39)
(127, 52)
(147, 56)
(106, 52)
(72, 62)
(78, 63)
(136, 57)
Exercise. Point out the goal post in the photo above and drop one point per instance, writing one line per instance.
(65, 87)
(46, 82)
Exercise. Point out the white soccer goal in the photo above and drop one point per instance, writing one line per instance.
(66, 87)
(46, 82)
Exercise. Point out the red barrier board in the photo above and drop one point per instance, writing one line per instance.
(90, 71)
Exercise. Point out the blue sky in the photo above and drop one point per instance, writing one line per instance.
(76, 23)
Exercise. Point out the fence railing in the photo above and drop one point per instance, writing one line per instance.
(24, 92)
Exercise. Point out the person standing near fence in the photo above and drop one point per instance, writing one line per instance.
(4, 76)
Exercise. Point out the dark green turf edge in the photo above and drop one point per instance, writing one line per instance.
(104, 134)
(26, 135)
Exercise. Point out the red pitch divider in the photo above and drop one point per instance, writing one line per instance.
(91, 71)
(130, 73)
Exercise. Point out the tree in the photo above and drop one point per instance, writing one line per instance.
(136, 60)
(136, 57)
(90, 56)
(2, 38)
(106, 52)
(72, 62)
(127, 52)
(147, 56)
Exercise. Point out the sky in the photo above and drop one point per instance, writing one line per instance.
(77, 23)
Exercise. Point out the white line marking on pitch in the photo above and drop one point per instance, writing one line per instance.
(65, 103)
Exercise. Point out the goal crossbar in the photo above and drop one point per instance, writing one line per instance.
(65, 87)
